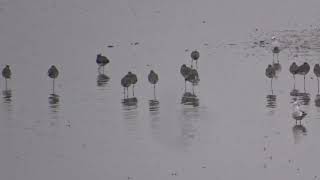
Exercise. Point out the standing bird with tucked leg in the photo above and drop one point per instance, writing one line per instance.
(133, 79)
(153, 79)
(270, 73)
(53, 73)
(185, 71)
(294, 70)
(194, 57)
(316, 71)
(102, 61)
(125, 83)
(275, 47)
(304, 70)
(6, 73)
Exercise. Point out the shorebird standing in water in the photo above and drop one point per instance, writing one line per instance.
(316, 71)
(297, 113)
(153, 79)
(294, 70)
(53, 73)
(275, 47)
(194, 57)
(102, 61)
(270, 73)
(6, 73)
(185, 71)
(125, 82)
(303, 70)
(133, 80)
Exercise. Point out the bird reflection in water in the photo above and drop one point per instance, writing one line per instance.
(299, 131)
(189, 98)
(54, 106)
(102, 80)
(190, 116)
(302, 97)
(130, 113)
(271, 101)
(7, 102)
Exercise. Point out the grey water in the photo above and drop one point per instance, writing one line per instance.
(232, 125)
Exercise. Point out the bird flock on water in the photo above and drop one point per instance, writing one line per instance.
(295, 70)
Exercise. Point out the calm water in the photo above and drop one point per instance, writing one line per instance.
(236, 125)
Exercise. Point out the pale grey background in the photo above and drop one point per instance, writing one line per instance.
(90, 135)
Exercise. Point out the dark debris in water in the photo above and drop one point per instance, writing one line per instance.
(110, 46)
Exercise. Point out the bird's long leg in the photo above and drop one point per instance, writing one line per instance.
(191, 63)
(124, 92)
(318, 84)
(185, 85)
(6, 84)
(304, 82)
(133, 90)
(154, 91)
(272, 57)
(53, 84)
(278, 57)
(271, 86)
(192, 89)
(127, 92)
(197, 64)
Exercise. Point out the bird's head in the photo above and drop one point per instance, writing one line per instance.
(151, 71)
(269, 66)
(7, 66)
(129, 72)
(184, 65)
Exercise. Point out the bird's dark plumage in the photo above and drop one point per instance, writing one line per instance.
(6, 72)
(53, 72)
(153, 77)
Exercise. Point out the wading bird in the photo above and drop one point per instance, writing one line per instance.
(185, 71)
(6, 73)
(53, 73)
(303, 70)
(297, 113)
(125, 83)
(316, 71)
(102, 61)
(270, 73)
(275, 47)
(153, 79)
(194, 57)
(133, 80)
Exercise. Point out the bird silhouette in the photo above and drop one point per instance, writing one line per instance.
(294, 70)
(6, 73)
(133, 80)
(53, 73)
(194, 57)
(275, 48)
(270, 73)
(102, 61)
(316, 71)
(185, 71)
(297, 113)
(304, 70)
(126, 82)
(153, 79)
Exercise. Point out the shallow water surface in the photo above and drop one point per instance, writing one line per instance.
(234, 124)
